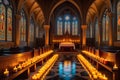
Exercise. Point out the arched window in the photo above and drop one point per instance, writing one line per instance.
(105, 25)
(2, 21)
(74, 26)
(23, 26)
(118, 21)
(31, 29)
(5, 20)
(96, 31)
(9, 24)
(59, 26)
(106, 28)
(67, 24)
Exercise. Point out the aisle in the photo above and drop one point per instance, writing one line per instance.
(67, 70)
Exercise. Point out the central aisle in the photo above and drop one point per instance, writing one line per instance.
(67, 67)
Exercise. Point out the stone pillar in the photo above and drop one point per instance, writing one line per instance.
(46, 27)
(17, 30)
(84, 27)
(110, 29)
(99, 32)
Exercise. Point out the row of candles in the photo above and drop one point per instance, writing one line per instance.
(95, 74)
(28, 62)
(42, 71)
(102, 60)
(68, 40)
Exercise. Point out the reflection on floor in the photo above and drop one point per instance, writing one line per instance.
(67, 69)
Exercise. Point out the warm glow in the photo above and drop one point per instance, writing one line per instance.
(15, 69)
(45, 69)
(93, 72)
(102, 60)
(6, 72)
(32, 60)
(115, 66)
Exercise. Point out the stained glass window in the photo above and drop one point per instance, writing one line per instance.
(59, 26)
(118, 21)
(9, 24)
(66, 25)
(2, 21)
(105, 25)
(73, 28)
(31, 30)
(23, 27)
(5, 20)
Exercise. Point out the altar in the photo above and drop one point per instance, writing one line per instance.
(66, 45)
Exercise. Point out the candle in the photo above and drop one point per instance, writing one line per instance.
(6, 72)
(15, 69)
(19, 67)
(115, 66)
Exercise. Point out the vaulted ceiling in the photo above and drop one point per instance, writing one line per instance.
(88, 8)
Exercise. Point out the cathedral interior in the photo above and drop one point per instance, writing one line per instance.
(59, 39)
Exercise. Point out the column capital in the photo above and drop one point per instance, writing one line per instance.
(84, 26)
(46, 27)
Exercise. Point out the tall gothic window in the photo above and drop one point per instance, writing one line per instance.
(23, 26)
(68, 25)
(106, 28)
(9, 24)
(105, 25)
(59, 26)
(96, 31)
(5, 20)
(118, 21)
(31, 30)
(74, 26)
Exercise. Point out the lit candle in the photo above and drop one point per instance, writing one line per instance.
(15, 69)
(104, 77)
(115, 66)
(6, 72)
(19, 67)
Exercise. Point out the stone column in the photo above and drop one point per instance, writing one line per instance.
(46, 27)
(99, 32)
(17, 30)
(28, 32)
(84, 27)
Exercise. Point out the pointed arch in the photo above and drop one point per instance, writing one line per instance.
(61, 2)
